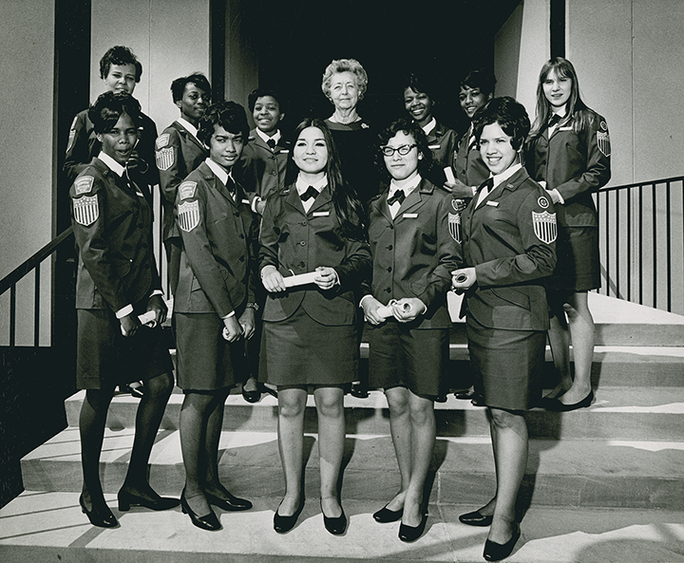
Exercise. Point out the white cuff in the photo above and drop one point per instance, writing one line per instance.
(124, 311)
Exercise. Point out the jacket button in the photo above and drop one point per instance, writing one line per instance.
(242, 236)
(302, 243)
(303, 223)
(237, 213)
(390, 247)
(389, 269)
(302, 264)
(242, 258)
(388, 290)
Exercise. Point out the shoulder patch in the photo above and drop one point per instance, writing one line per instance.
(165, 158)
(86, 210)
(545, 227)
(188, 215)
(83, 185)
(543, 202)
(187, 190)
(163, 140)
(455, 226)
(603, 140)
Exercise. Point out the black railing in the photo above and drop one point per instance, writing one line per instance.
(641, 231)
(10, 281)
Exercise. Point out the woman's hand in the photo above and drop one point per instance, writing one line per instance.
(459, 190)
(463, 279)
(272, 279)
(129, 324)
(407, 309)
(370, 306)
(156, 304)
(248, 323)
(232, 328)
(326, 278)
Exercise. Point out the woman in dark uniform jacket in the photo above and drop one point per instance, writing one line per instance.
(117, 281)
(509, 233)
(569, 154)
(214, 305)
(310, 331)
(413, 255)
(419, 102)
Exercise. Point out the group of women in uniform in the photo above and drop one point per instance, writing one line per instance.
(503, 215)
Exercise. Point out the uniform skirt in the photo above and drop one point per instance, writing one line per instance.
(401, 355)
(578, 266)
(301, 351)
(206, 361)
(105, 358)
(507, 365)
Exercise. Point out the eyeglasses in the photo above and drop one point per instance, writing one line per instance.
(403, 150)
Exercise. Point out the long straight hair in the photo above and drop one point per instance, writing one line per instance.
(347, 206)
(576, 110)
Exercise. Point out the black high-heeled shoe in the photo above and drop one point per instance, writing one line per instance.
(497, 551)
(230, 503)
(385, 515)
(152, 501)
(283, 524)
(101, 519)
(476, 518)
(208, 522)
(335, 526)
(410, 534)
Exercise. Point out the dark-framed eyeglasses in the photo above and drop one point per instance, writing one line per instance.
(403, 150)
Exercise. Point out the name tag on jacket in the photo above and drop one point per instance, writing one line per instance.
(321, 213)
(493, 203)
(410, 215)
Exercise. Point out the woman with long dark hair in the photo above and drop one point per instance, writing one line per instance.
(313, 255)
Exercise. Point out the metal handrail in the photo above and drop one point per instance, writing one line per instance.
(9, 282)
(640, 263)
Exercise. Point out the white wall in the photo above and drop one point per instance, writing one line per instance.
(26, 144)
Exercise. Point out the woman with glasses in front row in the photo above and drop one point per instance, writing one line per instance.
(413, 255)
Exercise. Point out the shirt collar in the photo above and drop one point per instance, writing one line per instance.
(506, 174)
(302, 185)
(266, 138)
(407, 188)
(220, 173)
(430, 126)
(189, 126)
(112, 164)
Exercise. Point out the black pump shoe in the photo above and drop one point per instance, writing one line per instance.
(496, 551)
(283, 524)
(410, 534)
(556, 405)
(336, 526)
(230, 503)
(100, 519)
(476, 518)
(208, 522)
(153, 502)
(385, 515)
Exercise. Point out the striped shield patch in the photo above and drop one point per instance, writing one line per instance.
(455, 226)
(603, 142)
(165, 158)
(86, 210)
(188, 215)
(545, 227)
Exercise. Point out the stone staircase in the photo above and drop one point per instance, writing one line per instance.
(595, 478)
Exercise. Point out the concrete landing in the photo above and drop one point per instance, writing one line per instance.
(42, 527)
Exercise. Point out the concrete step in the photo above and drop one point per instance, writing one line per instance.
(620, 413)
(40, 527)
(569, 473)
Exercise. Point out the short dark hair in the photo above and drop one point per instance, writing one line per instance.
(119, 55)
(480, 78)
(229, 115)
(421, 83)
(260, 93)
(408, 127)
(510, 115)
(198, 79)
(109, 107)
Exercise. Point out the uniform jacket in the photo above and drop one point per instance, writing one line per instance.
(178, 152)
(577, 165)
(83, 147)
(501, 242)
(442, 144)
(296, 242)
(217, 264)
(468, 164)
(262, 170)
(113, 229)
(413, 254)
